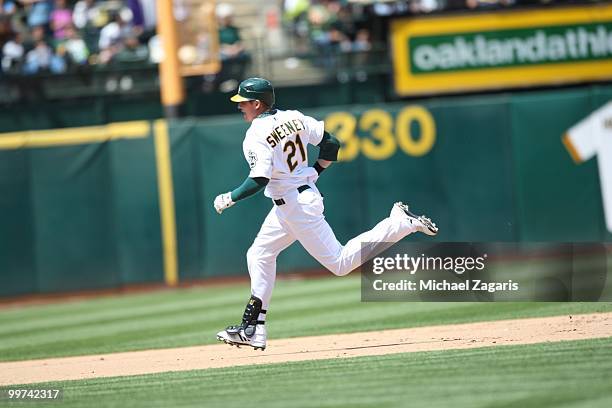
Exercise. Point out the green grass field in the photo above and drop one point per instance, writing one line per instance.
(192, 316)
(568, 374)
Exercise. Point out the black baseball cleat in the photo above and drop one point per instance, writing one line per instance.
(422, 223)
(251, 332)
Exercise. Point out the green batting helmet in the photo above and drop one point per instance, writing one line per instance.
(255, 88)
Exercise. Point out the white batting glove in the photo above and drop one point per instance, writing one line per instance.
(223, 201)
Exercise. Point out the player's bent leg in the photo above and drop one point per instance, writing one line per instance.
(319, 240)
(400, 223)
(251, 331)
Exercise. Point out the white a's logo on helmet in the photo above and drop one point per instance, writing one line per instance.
(251, 158)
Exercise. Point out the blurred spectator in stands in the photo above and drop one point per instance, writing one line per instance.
(385, 9)
(42, 59)
(361, 53)
(320, 21)
(331, 29)
(77, 52)
(234, 57)
(61, 18)
(428, 6)
(35, 34)
(87, 14)
(7, 7)
(293, 9)
(230, 44)
(346, 29)
(149, 13)
(111, 37)
(131, 51)
(6, 31)
(362, 41)
(38, 12)
(295, 19)
(15, 10)
(13, 53)
(137, 14)
(156, 53)
(144, 17)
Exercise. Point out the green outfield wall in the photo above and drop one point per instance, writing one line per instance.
(85, 213)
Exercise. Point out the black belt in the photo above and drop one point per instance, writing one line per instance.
(280, 201)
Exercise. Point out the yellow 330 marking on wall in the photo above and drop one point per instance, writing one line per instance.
(381, 134)
(502, 49)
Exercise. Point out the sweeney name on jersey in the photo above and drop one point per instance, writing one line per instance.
(282, 131)
(275, 147)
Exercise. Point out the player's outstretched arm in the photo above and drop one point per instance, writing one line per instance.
(249, 187)
(328, 152)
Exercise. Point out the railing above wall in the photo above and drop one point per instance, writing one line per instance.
(138, 79)
(86, 82)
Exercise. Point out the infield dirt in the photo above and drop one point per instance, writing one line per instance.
(460, 336)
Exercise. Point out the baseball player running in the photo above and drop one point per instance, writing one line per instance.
(275, 146)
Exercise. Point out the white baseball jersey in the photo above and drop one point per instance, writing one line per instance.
(275, 147)
(593, 136)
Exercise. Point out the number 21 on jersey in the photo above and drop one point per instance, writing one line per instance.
(290, 149)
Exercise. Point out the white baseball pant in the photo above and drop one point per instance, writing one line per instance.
(301, 218)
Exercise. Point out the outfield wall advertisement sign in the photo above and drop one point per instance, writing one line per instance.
(503, 49)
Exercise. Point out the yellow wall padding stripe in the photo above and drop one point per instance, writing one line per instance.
(71, 136)
(166, 202)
